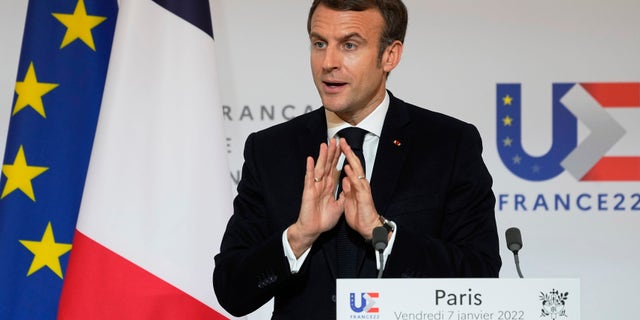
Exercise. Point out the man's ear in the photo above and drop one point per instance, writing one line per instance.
(391, 56)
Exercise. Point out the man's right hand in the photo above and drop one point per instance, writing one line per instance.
(320, 210)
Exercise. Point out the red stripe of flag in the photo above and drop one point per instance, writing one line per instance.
(107, 286)
(622, 94)
(615, 169)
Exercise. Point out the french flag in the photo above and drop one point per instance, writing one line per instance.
(157, 195)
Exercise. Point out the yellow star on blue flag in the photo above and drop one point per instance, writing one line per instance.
(79, 25)
(46, 252)
(19, 176)
(30, 92)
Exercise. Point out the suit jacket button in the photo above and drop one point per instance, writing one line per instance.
(333, 298)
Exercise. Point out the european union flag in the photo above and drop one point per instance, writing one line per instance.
(61, 74)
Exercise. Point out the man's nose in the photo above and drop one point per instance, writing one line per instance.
(332, 58)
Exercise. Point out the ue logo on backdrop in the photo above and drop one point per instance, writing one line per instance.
(572, 102)
(366, 303)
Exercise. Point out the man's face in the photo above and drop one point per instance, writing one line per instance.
(344, 61)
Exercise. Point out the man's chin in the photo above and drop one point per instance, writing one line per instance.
(332, 104)
(333, 107)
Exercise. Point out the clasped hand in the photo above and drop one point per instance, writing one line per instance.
(320, 210)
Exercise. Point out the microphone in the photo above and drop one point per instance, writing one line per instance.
(514, 243)
(379, 242)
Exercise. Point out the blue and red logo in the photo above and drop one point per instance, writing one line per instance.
(587, 161)
(366, 302)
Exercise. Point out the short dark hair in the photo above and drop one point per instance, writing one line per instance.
(394, 13)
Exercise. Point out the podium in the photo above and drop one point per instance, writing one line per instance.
(458, 299)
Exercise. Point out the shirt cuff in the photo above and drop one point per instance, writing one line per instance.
(294, 263)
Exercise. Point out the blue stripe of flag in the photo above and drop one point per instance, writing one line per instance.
(196, 12)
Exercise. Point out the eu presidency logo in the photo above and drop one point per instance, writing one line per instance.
(365, 303)
(572, 102)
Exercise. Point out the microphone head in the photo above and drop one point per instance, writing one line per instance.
(514, 239)
(379, 239)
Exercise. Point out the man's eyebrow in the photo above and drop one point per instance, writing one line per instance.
(352, 35)
(315, 35)
(348, 36)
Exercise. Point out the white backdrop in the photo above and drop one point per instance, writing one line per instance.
(456, 53)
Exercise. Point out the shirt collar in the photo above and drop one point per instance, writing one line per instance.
(372, 123)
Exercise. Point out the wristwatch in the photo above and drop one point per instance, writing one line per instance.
(385, 223)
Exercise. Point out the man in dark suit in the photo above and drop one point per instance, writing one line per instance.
(418, 173)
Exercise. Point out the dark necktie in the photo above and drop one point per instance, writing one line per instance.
(347, 251)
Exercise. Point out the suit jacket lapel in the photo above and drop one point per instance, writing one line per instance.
(316, 134)
(390, 158)
(391, 154)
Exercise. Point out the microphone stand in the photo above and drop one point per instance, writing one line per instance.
(517, 260)
(381, 258)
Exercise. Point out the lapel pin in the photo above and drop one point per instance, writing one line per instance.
(397, 143)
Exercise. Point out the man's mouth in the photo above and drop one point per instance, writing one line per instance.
(334, 84)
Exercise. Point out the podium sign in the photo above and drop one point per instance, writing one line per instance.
(458, 299)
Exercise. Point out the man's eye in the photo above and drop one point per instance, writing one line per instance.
(349, 46)
(319, 44)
